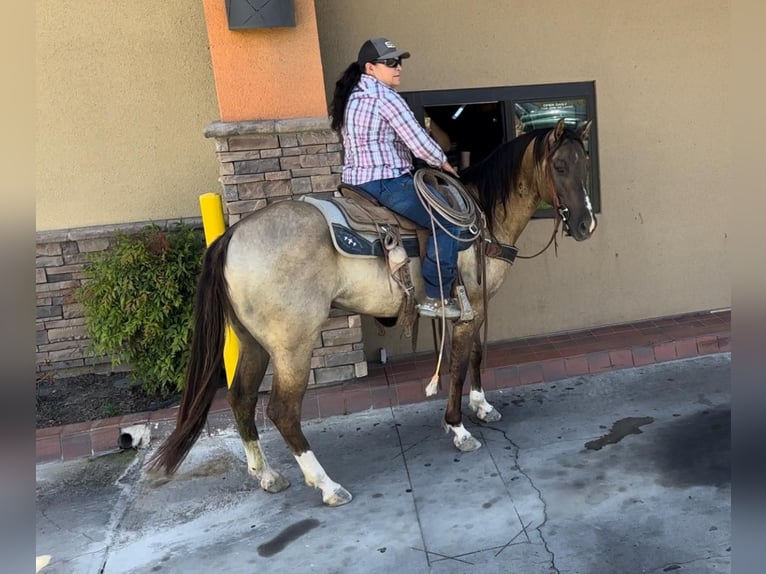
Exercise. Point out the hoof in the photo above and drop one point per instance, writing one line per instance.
(489, 416)
(466, 443)
(339, 497)
(274, 483)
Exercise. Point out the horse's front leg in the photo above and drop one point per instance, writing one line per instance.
(476, 400)
(462, 344)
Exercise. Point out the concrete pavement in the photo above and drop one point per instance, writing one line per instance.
(622, 472)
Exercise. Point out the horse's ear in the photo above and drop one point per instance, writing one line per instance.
(584, 130)
(555, 134)
(558, 130)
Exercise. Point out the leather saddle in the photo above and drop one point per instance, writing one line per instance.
(360, 226)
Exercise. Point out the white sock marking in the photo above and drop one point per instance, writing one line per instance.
(479, 404)
(315, 475)
(460, 433)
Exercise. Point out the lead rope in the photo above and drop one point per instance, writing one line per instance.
(433, 386)
(425, 199)
(464, 218)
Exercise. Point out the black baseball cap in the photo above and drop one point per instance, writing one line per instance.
(379, 49)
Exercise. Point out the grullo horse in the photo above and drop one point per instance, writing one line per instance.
(274, 276)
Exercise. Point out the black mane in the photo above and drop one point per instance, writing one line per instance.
(496, 176)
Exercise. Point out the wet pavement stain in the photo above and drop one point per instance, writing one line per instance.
(695, 450)
(619, 430)
(220, 465)
(98, 472)
(288, 535)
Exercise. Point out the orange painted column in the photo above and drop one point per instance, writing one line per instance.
(266, 73)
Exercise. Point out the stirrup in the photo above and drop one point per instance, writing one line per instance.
(434, 308)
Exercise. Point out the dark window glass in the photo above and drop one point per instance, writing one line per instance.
(470, 123)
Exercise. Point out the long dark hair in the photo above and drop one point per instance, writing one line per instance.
(343, 87)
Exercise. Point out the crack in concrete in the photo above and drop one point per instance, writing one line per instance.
(516, 451)
(409, 483)
(457, 557)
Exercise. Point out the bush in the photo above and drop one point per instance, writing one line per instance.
(138, 299)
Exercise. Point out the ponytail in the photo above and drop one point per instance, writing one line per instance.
(343, 87)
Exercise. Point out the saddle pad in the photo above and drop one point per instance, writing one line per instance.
(355, 242)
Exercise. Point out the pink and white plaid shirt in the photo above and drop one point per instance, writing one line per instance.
(380, 134)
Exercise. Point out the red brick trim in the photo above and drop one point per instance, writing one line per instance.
(403, 381)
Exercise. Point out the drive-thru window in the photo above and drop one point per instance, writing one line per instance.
(470, 123)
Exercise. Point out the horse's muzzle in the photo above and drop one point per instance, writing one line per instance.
(584, 229)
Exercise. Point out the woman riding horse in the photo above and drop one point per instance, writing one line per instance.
(380, 134)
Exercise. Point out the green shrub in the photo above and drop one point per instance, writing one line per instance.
(137, 298)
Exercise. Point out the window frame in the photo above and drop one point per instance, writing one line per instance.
(508, 96)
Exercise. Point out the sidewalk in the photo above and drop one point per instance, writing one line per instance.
(402, 380)
(624, 471)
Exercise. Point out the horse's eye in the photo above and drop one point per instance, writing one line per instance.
(560, 166)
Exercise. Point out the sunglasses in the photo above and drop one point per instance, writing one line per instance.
(389, 62)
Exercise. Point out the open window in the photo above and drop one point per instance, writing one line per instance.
(466, 132)
(470, 123)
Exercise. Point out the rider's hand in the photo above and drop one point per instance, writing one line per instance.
(449, 169)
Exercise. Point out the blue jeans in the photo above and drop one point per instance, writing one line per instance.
(399, 195)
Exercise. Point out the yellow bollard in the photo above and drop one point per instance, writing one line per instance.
(211, 207)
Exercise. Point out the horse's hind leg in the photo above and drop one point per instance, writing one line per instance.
(476, 400)
(243, 397)
(291, 372)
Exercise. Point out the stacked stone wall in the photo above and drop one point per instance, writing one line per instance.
(261, 162)
(62, 345)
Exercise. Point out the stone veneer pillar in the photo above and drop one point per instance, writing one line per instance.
(265, 161)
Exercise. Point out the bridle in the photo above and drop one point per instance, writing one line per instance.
(561, 211)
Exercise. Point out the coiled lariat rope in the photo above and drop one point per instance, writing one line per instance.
(445, 195)
(449, 199)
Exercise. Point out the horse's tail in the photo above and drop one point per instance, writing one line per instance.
(211, 306)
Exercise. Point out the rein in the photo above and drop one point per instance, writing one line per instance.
(559, 213)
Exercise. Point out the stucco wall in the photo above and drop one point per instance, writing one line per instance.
(124, 92)
(660, 70)
(266, 73)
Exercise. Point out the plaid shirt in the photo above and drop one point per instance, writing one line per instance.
(380, 134)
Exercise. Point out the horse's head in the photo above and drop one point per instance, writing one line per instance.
(567, 172)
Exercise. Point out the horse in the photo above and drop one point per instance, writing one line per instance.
(274, 276)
